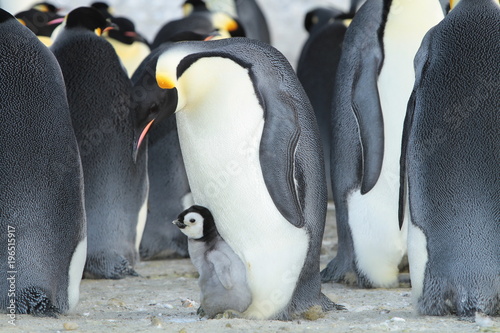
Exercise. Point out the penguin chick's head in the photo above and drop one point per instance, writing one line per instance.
(88, 18)
(196, 222)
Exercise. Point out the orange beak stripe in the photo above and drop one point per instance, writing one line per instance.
(164, 82)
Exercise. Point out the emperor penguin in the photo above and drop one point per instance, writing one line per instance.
(116, 185)
(223, 277)
(129, 45)
(248, 12)
(42, 213)
(450, 165)
(317, 66)
(374, 81)
(42, 18)
(251, 149)
(169, 191)
(200, 21)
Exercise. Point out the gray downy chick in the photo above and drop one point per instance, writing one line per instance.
(223, 280)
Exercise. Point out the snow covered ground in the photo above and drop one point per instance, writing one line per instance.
(285, 17)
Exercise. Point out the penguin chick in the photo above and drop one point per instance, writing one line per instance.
(223, 280)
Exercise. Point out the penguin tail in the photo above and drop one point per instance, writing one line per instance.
(34, 301)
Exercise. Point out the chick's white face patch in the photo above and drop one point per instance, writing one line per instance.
(194, 225)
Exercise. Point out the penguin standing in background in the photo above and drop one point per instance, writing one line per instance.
(200, 21)
(168, 184)
(247, 12)
(42, 19)
(42, 215)
(223, 276)
(317, 67)
(374, 81)
(450, 165)
(251, 149)
(130, 46)
(116, 187)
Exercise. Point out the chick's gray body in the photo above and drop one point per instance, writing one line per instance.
(223, 276)
(225, 290)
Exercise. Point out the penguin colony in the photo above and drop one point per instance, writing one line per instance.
(106, 139)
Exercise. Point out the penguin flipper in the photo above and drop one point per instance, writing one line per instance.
(403, 183)
(420, 64)
(222, 267)
(368, 112)
(277, 157)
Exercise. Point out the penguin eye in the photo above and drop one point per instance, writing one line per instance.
(153, 108)
(192, 220)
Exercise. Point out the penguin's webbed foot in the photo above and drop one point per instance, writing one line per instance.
(339, 271)
(34, 301)
(107, 267)
(328, 305)
(200, 312)
(342, 271)
(229, 314)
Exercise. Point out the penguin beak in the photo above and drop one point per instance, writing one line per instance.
(56, 21)
(164, 81)
(179, 224)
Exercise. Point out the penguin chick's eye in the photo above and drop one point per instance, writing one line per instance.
(192, 220)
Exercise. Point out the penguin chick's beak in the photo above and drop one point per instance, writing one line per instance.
(180, 224)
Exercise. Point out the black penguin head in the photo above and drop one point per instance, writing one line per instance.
(41, 19)
(45, 7)
(103, 8)
(5, 16)
(125, 33)
(88, 18)
(150, 102)
(191, 6)
(197, 223)
(320, 17)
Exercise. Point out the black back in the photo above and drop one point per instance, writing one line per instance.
(99, 97)
(451, 146)
(41, 184)
(38, 21)
(317, 68)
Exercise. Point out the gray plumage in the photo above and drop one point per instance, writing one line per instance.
(451, 154)
(115, 186)
(42, 215)
(357, 85)
(317, 68)
(223, 280)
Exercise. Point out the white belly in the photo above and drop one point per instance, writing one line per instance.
(75, 273)
(373, 217)
(220, 147)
